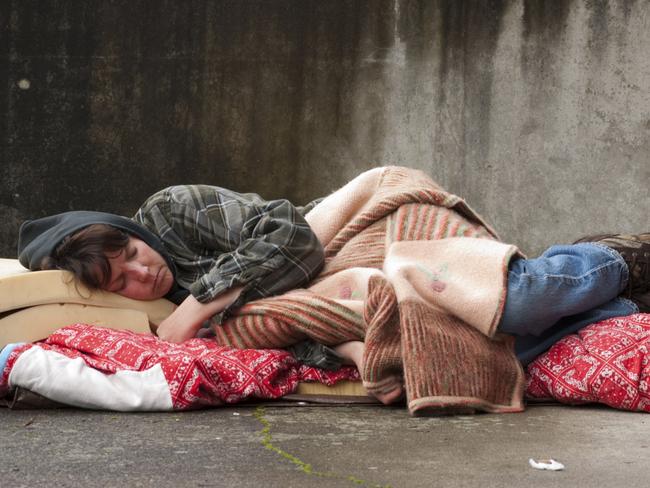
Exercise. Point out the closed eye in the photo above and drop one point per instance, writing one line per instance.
(132, 253)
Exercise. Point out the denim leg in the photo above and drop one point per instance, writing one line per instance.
(565, 281)
(529, 347)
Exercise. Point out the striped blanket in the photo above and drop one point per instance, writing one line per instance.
(419, 277)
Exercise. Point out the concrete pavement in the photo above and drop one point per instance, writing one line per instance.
(367, 446)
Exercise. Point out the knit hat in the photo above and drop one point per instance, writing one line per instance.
(39, 238)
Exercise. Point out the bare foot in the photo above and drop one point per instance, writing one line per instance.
(388, 390)
(352, 353)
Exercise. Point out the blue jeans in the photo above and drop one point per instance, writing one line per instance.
(565, 289)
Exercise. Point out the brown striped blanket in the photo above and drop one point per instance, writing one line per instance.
(419, 277)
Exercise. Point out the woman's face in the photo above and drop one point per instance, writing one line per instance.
(139, 272)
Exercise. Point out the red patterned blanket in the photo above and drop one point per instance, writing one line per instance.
(607, 362)
(95, 367)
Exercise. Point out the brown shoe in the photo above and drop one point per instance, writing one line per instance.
(635, 250)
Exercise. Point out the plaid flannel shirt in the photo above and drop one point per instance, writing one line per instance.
(220, 238)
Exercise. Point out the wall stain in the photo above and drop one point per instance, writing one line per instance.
(598, 26)
(627, 7)
(292, 98)
(267, 442)
(545, 18)
(469, 31)
(544, 24)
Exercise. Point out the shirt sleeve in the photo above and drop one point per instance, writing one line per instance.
(220, 239)
(276, 252)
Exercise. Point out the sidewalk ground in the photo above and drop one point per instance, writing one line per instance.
(363, 446)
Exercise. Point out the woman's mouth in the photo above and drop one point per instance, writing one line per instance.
(155, 280)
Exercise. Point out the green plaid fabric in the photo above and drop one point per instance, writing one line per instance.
(220, 238)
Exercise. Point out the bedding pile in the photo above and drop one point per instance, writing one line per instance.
(402, 275)
(94, 367)
(100, 368)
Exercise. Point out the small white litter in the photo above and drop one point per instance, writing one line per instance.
(547, 464)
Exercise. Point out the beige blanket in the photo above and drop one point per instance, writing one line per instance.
(415, 273)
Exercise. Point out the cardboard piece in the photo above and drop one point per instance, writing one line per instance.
(353, 389)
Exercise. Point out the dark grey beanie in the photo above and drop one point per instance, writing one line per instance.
(39, 238)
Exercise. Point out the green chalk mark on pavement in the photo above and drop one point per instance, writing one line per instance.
(267, 442)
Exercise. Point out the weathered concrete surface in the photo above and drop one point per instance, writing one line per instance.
(375, 446)
(537, 111)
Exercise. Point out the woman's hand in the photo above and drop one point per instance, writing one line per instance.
(186, 320)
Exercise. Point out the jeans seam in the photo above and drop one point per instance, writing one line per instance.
(613, 253)
(629, 302)
(618, 257)
(582, 276)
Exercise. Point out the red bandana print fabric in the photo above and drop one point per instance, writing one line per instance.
(607, 362)
(199, 372)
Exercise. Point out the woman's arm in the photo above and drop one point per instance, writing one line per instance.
(223, 241)
(272, 250)
(186, 320)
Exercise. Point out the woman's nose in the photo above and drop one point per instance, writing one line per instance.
(138, 271)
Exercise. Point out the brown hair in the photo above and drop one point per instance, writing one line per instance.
(85, 254)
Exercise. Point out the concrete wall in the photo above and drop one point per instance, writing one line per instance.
(536, 111)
